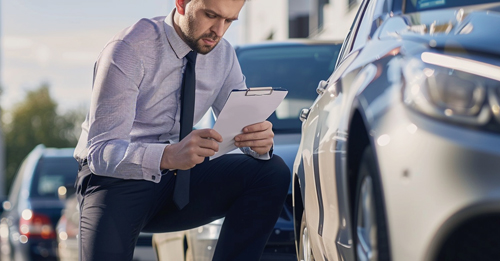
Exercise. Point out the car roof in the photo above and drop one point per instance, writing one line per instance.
(58, 152)
(291, 42)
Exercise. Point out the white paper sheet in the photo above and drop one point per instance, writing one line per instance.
(245, 108)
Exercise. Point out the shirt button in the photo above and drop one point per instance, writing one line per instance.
(153, 177)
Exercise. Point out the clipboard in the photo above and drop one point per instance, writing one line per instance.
(243, 108)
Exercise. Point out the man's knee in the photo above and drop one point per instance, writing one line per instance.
(279, 171)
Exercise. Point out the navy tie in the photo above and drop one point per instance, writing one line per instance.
(181, 188)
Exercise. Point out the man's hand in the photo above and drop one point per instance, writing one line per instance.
(191, 150)
(259, 137)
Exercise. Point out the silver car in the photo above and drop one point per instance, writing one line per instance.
(400, 152)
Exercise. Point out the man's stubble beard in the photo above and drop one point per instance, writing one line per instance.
(195, 43)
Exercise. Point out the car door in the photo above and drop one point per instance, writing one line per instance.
(326, 127)
(320, 191)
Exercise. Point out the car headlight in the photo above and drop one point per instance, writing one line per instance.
(456, 89)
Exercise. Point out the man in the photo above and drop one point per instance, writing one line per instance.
(131, 155)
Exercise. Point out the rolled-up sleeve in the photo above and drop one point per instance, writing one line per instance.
(118, 74)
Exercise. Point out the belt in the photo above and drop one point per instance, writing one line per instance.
(83, 170)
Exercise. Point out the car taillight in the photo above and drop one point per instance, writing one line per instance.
(34, 224)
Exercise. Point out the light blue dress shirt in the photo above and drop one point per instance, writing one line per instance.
(135, 104)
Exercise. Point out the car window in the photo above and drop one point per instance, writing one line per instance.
(342, 53)
(364, 28)
(422, 5)
(348, 41)
(51, 173)
(295, 68)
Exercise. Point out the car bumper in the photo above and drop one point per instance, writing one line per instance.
(435, 175)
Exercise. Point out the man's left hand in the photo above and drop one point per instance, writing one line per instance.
(259, 137)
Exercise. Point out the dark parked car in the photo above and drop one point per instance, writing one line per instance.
(44, 180)
(296, 66)
(400, 153)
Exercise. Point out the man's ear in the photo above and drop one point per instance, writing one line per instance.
(180, 5)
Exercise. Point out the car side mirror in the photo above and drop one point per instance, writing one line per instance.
(303, 114)
(321, 87)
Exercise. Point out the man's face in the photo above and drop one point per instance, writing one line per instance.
(205, 21)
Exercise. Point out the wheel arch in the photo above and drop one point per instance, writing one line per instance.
(298, 203)
(358, 140)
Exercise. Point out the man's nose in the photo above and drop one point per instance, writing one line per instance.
(219, 27)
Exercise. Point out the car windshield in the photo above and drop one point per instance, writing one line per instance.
(422, 5)
(297, 68)
(52, 173)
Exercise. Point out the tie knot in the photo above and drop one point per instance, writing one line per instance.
(191, 56)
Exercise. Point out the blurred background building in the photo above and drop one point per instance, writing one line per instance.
(284, 19)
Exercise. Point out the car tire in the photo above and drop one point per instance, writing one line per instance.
(369, 226)
(305, 252)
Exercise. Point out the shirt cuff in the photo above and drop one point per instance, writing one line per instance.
(151, 161)
(249, 151)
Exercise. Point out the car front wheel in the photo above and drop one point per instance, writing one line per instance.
(305, 253)
(370, 233)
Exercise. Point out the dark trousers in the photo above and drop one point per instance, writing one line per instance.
(249, 193)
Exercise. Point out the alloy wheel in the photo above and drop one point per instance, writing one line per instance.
(305, 244)
(366, 223)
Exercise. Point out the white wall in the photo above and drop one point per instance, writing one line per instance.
(263, 17)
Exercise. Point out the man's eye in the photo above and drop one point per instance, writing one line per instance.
(210, 15)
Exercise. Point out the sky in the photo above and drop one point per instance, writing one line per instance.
(57, 42)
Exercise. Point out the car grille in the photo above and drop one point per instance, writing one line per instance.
(476, 239)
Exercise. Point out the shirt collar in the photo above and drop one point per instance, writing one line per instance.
(178, 45)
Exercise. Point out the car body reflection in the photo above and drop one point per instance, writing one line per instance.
(400, 153)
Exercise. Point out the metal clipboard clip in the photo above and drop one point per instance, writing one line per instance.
(259, 91)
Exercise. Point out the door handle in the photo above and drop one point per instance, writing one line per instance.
(303, 114)
(321, 87)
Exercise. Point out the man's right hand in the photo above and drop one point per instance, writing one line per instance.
(191, 150)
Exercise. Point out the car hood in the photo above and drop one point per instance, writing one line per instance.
(457, 29)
